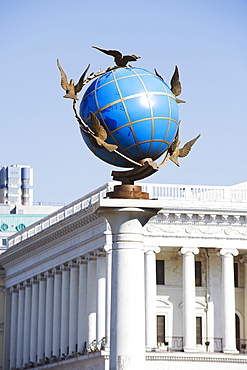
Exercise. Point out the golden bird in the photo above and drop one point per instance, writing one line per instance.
(176, 87)
(174, 152)
(71, 89)
(98, 135)
(119, 59)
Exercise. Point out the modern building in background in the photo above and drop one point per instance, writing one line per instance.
(58, 284)
(16, 185)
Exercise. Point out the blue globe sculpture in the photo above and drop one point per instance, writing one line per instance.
(138, 111)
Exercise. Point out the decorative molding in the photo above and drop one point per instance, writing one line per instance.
(196, 359)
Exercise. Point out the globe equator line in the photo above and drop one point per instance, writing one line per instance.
(143, 119)
(126, 112)
(127, 98)
(151, 111)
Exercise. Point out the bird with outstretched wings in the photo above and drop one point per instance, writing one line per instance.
(176, 87)
(98, 135)
(120, 60)
(71, 89)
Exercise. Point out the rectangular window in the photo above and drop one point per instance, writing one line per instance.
(198, 273)
(199, 330)
(4, 242)
(161, 329)
(236, 280)
(160, 272)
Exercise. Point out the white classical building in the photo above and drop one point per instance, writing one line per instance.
(189, 290)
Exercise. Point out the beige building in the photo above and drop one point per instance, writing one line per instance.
(58, 283)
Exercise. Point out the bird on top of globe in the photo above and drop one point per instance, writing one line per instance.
(128, 116)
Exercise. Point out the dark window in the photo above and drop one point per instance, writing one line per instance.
(198, 330)
(198, 273)
(236, 274)
(160, 272)
(160, 329)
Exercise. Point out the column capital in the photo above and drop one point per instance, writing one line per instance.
(73, 264)
(64, 267)
(99, 253)
(41, 277)
(20, 287)
(189, 250)
(48, 274)
(224, 251)
(27, 284)
(34, 280)
(13, 289)
(107, 248)
(152, 249)
(90, 257)
(81, 260)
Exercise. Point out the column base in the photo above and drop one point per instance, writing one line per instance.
(190, 350)
(230, 351)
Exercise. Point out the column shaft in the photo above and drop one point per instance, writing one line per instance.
(27, 324)
(73, 308)
(82, 307)
(228, 301)
(150, 299)
(7, 328)
(13, 329)
(49, 315)
(65, 311)
(101, 287)
(20, 328)
(41, 319)
(108, 298)
(91, 301)
(189, 308)
(57, 313)
(34, 321)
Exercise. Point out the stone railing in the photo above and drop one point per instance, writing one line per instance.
(175, 193)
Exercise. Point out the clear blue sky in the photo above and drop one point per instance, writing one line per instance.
(205, 38)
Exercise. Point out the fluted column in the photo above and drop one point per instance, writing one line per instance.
(27, 322)
(73, 306)
(64, 340)
(228, 300)
(41, 318)
(189, 308)
(57, 312)
(108, 250)
(150, 296)
(34, 320)
(82, 304)
(13, 327)
(49, 313)
(100, 302)
(20, 326)
(91, 299)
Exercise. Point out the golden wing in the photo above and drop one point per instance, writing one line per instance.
(174, 145)
(187, 147)
(113, 53)
(157, 74)
(79, 85)
(176, 86)
(97, 128)
(64, 80)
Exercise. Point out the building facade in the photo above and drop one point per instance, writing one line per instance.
(58, 283)
(16, 185)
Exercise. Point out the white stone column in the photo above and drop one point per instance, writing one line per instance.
(41, 318)
(34, 320)
(228, 300)
(244, 261)
(189, 295)
(57, 312)
(27, 322)
(108, 250)
(49, 313)
(20, 326)
(150, 296)
(64, 340)
(13, 327)
(7, 327)
(91, 299)
(127, 349)
(100, 302)
(73, 306)
(82, 304)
